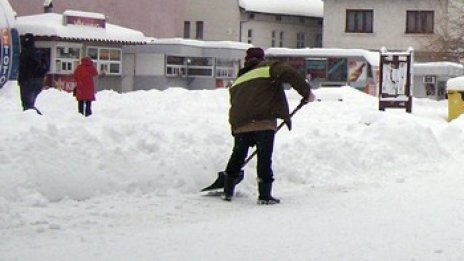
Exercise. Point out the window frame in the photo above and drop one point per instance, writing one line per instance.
(187, 29)
(200, 26)
(420, 23)
(300, 40)
(106, 65)
(359, 21)
(186, 67)
(69, 63)
(224, 69)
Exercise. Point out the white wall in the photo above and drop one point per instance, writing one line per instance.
(389, 24)
(263, 25)
(149, 64)
(221, 18)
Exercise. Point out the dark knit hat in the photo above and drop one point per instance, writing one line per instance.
(28, 40)
(254, 52)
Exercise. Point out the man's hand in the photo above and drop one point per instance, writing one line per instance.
(311, 97)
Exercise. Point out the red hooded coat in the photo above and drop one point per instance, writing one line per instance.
(84, 73)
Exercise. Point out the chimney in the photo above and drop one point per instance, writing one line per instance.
(48, 6)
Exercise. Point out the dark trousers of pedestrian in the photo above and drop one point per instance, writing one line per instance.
(84, 108)
(29, 90)
(264, 142)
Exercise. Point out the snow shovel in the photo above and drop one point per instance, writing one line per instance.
(219, 182)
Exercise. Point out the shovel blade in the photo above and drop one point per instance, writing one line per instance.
(219, 182)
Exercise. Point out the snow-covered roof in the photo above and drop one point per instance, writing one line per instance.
(199, 43)
(439, 68)
(372, 57)
(84, 14)
(313, 8)
(51, 24)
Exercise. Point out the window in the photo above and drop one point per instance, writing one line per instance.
(200, 66)
(359, 21)
(419, 22)
(186, 29)
(281, 39)
(273, 39)
(177, 66)
(225, 69)
(199, 34)
(300, 40)
(251, 16)
(67, 59)
(278, 18)
(250, 36)
(106, 60)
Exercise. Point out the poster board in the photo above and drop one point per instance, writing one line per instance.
(396, 80)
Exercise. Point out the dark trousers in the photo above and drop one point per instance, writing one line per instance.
(29, 90)
(84, 108)
(264, 141)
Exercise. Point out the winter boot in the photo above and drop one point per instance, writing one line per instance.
(229, 186)
(265, 197)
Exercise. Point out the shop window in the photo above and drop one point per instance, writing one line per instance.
(200, 66)
(106, 60)
(317, 69)
(67, 59)
(441, 90)
(225, 69)
(177, 66)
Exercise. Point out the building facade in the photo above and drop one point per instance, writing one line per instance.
(265, 23)
(158, 18)
(373, 24)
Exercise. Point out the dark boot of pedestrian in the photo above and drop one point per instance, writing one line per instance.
(265, 191)
(229, 187)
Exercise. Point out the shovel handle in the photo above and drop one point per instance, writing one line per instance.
(297, 108)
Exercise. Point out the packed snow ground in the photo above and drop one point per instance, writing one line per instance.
(355, 183)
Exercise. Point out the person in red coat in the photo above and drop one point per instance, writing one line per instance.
(85, 88)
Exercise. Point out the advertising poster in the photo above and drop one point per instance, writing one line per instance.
(394, 78)
(357, 71)
(317, 69)
(337, 69)
(62, 82)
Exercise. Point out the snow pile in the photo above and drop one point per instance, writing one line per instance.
(177, 139)
(356, 183)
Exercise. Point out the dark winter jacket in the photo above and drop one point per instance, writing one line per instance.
(257, 94)
(84, 73)
(32, 65)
